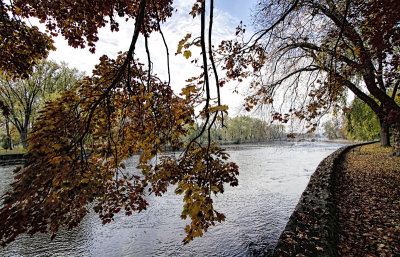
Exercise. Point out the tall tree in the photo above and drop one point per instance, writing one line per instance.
(122, 109)
(25, 97)
(6, 140)
(311, 52)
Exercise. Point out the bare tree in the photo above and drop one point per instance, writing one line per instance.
(311, 53)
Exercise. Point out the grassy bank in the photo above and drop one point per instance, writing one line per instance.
(14, 151)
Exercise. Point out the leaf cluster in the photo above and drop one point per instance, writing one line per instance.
(21, 46)
(79, 21)
(76, 151)
(202, 173)
(78, 144)
(361, 122)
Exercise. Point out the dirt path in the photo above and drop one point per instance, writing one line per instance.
(367, 192)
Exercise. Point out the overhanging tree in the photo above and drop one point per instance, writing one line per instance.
(311, 52)
(79, 141)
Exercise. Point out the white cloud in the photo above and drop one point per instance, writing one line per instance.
(174, 29)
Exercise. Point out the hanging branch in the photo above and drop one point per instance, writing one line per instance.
(210, 55)
(121, 70)
(269, 29)
(340, 37)
(146, 44)
(165, 44)
(204, 56)
(206, 79)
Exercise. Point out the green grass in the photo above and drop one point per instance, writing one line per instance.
(14, 151)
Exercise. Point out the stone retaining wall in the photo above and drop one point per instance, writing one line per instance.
(312, 227)
(11, 159)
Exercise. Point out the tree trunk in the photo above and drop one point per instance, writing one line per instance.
(9, 143)
(385, 135)
(396, 140)
(23, 136)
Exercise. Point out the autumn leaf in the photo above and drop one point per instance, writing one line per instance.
(187, 54)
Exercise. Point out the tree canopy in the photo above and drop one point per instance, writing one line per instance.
(79, 141)
(309, 53)
(362, 123)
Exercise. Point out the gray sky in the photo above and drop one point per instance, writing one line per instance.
(227, 16)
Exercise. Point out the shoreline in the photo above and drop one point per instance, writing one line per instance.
(312, 229)
(10, 159)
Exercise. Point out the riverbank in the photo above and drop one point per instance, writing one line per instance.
(367, 193)
(311, 229)
(351, 207)
(13, 158)
(16, 156)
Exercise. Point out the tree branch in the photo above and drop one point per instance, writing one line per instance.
(210, 55)
(121, 70)
(270, 28)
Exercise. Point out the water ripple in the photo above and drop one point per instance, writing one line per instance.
(271, 180)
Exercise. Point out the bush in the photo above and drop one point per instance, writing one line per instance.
(5, 142)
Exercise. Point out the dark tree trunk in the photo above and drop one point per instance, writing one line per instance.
(396, 140)
(23, 137)
(9, 143)
(385, 135)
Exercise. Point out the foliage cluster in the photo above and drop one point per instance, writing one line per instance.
(78, 143)
(361, 122)
(5, 142)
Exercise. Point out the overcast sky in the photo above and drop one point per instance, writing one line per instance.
(227, 15)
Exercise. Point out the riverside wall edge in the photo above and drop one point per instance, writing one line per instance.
(312, 228)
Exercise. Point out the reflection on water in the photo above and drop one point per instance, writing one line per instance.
(272, 178)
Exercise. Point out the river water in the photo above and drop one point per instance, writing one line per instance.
(272, 178)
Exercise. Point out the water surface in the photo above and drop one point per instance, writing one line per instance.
(272, 178)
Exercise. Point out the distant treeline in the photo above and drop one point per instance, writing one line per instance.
(242, 129)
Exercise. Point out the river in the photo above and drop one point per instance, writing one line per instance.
(272, 178)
